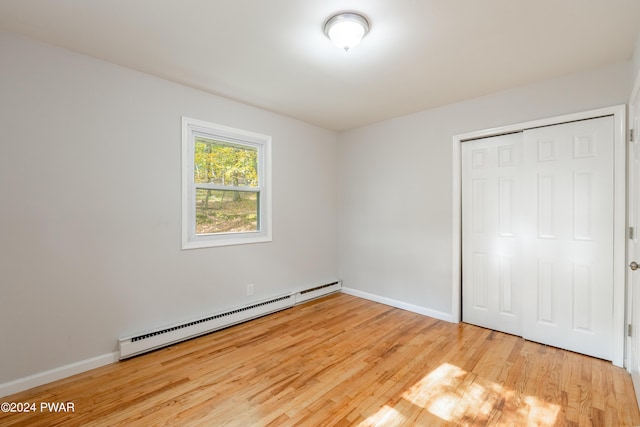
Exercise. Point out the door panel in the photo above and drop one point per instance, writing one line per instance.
(490, 226)
(568, 274)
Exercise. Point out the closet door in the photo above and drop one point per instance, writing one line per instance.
(491, 223)
(537, 235)
(567, 277)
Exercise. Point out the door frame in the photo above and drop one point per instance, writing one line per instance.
(619, 215)
(633, 311)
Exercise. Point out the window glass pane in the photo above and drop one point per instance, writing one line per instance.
(222, 211)
(224, 164)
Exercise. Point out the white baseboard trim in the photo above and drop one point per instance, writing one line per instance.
(35, 380)
(447, 317)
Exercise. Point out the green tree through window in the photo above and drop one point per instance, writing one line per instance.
(234, 167)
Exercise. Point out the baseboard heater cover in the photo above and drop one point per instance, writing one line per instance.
(162, 337)
(318, 291)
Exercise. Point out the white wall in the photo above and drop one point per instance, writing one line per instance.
(635, 61)
(396, 184)
(90, 197)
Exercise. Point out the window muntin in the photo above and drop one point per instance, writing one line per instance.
(226, 175)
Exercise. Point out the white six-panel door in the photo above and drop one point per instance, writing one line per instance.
(538, 234)
(492, 214)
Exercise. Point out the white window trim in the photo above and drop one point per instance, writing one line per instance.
(190, 240)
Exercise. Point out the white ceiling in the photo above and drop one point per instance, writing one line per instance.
(273, 54)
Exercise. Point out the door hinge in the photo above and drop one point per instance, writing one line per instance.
(631, 233)
(631, 135)
(629, 330)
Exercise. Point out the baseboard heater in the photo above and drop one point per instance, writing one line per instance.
(162, 337)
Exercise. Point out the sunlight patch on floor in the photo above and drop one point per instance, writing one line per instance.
(386, 416)
(454, 395)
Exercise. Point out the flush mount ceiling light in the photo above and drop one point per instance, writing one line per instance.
(346, 29)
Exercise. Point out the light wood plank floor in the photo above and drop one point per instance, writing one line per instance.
(342, 360)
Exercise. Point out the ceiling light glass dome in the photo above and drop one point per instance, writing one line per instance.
(346, 29)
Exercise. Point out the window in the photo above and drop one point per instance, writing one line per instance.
(226, 176)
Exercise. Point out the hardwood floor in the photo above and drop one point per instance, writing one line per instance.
(342, 360)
